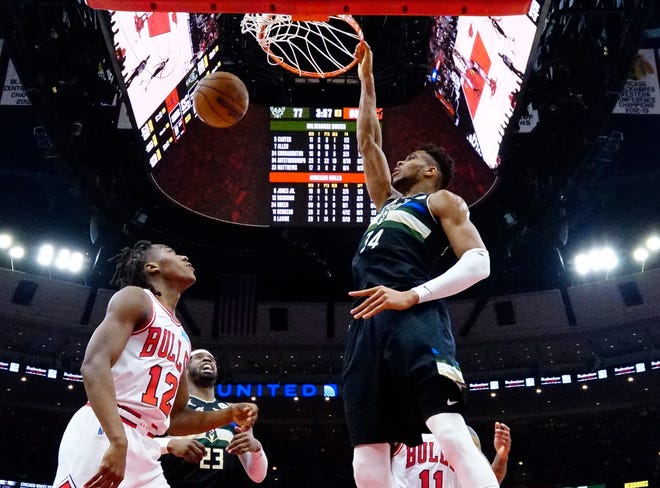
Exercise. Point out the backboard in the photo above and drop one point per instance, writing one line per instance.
(322, 7)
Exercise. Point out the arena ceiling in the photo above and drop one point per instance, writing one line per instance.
(581, 174)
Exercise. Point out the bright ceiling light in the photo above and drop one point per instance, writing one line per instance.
(640, 254)
(610, 261)
(598, 259)
(582, 264)
(17, 252)
(46, 255)
(75, 262)
(653, 243)
(62, 260)
(602, 259)
(595, 262)
(5, 241)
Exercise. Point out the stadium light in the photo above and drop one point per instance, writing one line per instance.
(596, 260)
(582, 264)
(641, 254)
(17, 252)
(75, 262)
(653, 243)
(5, 241)
(46, 255)
(62, 260)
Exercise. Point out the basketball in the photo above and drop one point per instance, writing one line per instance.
(221, 99)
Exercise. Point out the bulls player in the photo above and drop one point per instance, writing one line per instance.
(217, 458)
(133, 372)
(425, 465)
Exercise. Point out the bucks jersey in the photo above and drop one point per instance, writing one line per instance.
(400, 247)
(399, 366)
(217, 468)
(146, 375)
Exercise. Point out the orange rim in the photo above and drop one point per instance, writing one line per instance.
(314, 74)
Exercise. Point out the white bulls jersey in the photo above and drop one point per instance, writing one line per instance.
(422, 466)
(146, 378)
(148, 371)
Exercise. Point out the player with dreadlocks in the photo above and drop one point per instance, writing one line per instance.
(133, 371)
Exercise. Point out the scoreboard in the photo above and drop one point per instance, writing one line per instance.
(316, 175)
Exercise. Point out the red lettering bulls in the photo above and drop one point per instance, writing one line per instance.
(151, 342)
(425, 452)
(164, 344)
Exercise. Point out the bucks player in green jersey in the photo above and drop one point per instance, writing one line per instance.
(226, 456)
(400, 376)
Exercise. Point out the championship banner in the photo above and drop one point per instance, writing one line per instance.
(12, 89)
(640, 93)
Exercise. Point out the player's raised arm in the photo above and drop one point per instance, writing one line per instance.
(376, 170)
(502, 444)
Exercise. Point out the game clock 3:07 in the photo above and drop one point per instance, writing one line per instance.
(318, 113)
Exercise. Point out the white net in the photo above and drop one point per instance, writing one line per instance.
(310, 48)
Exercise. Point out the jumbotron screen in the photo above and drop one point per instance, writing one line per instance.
(478, 69)
(299, 166)
(279, 165)
(161, 56)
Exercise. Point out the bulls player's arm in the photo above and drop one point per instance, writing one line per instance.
(184, 447)
(184, 421)
(129, 308)
(502, 444)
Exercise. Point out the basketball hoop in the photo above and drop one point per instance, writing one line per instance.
(310, 48)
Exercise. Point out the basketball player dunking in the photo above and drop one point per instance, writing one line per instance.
(133, 375)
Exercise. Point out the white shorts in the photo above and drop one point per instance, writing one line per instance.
(84, 444)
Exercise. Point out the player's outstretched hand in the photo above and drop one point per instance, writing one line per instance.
(502, 440)
(189, 449)
(111, 470)
(243, 442)
(381, 298)
(245, 414)
(364, 56)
